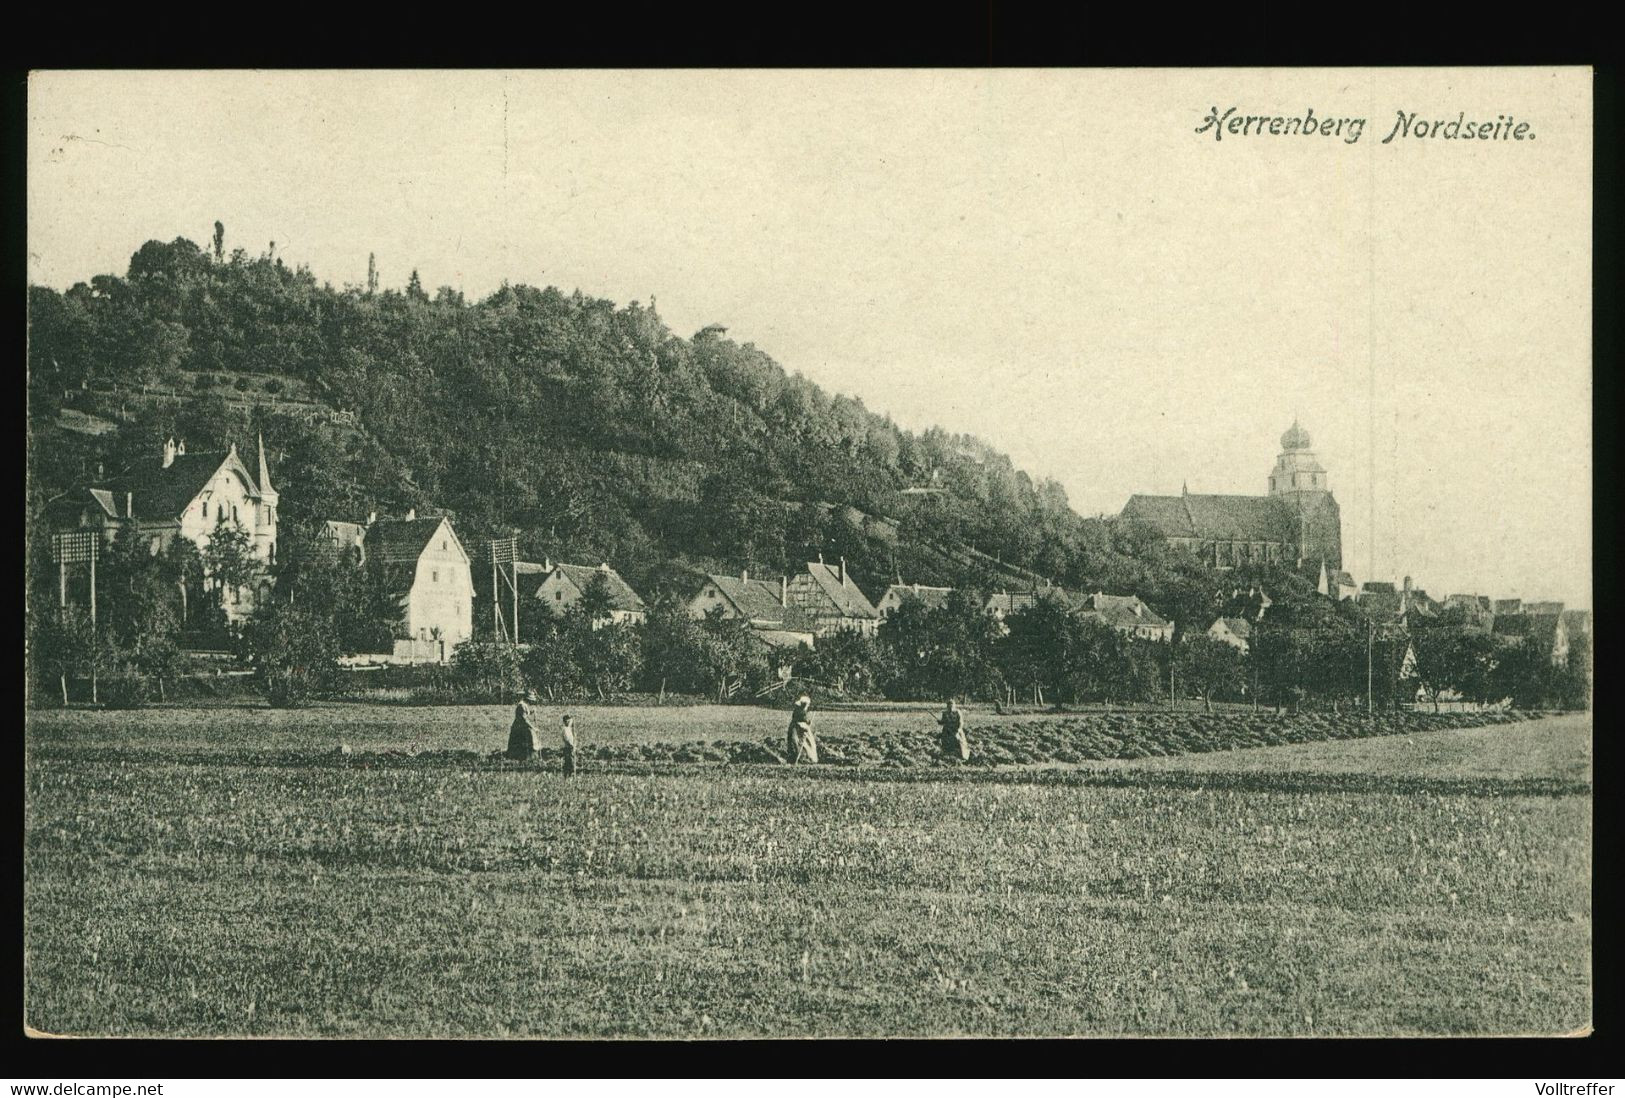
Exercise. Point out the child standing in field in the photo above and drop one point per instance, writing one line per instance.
(567, 733)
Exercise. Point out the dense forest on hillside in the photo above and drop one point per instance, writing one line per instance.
(592, 430)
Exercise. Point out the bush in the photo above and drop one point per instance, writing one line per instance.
(295, 653)
(124, 690)
(203, 382)
(273, 386)
(486, 671)
(243, 384)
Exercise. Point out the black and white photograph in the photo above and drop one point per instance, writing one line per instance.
(731, 554)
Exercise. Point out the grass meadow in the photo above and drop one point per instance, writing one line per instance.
(228, 872)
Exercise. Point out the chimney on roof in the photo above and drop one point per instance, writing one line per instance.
(372, 517)
(843, 572)
(784, 590)
(744, 575)
(169, 452)
(411, 513)
(129, 505)
(1407, 583)
(99, 473)
(603, 566)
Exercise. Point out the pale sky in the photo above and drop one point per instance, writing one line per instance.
(1056, 262)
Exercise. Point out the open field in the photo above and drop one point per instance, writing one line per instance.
(226, 872)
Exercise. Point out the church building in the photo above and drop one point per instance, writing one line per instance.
(1296, 524)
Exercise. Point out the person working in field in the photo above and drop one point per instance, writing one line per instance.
(802, 746)
(955, 745)
(522, 745)
(567, 734)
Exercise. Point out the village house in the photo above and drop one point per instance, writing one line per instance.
(1475, 611)
(1001, 604)
(1547, 631)
(830, 601)
(1126, 614)
(1335, 584)
(563, 585)
(186, 495)
(340, 538)
(426, 568)
(1383, 603)
(933, 597)
(1577, 624)
(1543, 608)
(1235, 632)
(762, 603)
(1508, 606)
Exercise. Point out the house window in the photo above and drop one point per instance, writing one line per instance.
(558, 596)
(434, 577)
(443, 547)
(205, 508)
(234, 512)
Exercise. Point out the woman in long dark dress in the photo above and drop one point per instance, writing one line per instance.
(953, 741)
(801, 744)
(522, 745)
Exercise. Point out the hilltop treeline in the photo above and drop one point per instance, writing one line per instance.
(592, 430)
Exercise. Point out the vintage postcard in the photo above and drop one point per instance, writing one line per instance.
(733, 554)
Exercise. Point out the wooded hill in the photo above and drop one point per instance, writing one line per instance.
(592, 430)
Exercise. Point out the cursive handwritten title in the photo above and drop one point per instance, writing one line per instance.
(1407, 125)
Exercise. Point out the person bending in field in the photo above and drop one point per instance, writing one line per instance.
(954, 743)
(567, 734)
(802, 745)
(522, 745)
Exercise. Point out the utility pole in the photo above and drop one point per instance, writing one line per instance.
(1370, 634)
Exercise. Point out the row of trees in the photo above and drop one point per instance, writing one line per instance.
(591, 428)
(151, 603)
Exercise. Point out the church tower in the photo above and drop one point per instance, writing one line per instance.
(265, 519)
(1297, 469)
(1299, 482)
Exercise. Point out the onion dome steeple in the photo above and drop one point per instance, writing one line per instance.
(1296, 438)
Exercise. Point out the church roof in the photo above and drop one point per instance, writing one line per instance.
(1212, 517)
(1296, 438)
(1238, 626)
